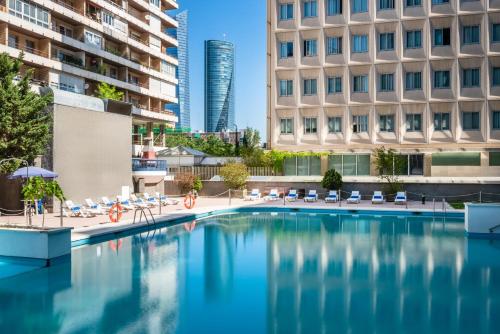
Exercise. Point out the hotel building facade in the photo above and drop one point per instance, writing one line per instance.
(74, 45)
(419, 76)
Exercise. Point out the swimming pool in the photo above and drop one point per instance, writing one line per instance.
(268, 272)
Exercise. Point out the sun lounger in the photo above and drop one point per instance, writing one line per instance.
(77, 210)
(107, 203)
(377, 197)
(331, 197)
(355, 197)
(312, 196)
(125, 203)
(138, 202)
(273, 195)
(151, 200)
(94, 206)
(254, 195)
(292, 195)
(400, 198)
(165, 200)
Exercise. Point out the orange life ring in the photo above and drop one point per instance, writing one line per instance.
(115, 245)
(119, 211)
(189, 201)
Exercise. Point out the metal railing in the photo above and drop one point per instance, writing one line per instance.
(148, 165)
(28, 49)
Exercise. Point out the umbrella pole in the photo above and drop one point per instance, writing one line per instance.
(61, 211)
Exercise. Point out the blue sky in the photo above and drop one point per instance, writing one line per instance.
(244, 23)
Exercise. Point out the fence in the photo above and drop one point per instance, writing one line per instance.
(208, 172)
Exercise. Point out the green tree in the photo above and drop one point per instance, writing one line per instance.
(24, 119)
(332, 180)
(37, 188)
(235, 175)
(105, 91)
(390, 166)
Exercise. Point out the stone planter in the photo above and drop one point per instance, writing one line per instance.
(39, 244)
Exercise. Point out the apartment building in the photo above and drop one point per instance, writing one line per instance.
(419, 76)
(74, 45)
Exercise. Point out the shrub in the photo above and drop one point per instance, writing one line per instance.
(235, 175)
(197, 184)
(332, 180)
(389, 165)
(186, 182)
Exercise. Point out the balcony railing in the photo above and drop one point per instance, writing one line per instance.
(146, 165)
(68, 6)
(28, 49)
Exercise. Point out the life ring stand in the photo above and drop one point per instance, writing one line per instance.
(118, 209)
(189, 201)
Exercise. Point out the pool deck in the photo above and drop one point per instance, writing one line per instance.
(85, 228)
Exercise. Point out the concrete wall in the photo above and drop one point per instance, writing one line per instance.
(438, 190)
(91, 152)
(10, 194)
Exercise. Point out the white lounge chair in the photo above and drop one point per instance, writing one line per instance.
(125, 203)
(77, 210)
(400, 198)
(165, 200)
(355, 197)
(107, 203)
(138, 202)
(94, 206)
(312, 196)
(273, 195)
(377, 197)
(254, 195)
(331, 197)
(151, 200)
(292, 195)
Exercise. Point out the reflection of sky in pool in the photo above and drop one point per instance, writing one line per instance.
(284, 273)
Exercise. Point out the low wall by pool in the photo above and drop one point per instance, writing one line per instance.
(482, 219)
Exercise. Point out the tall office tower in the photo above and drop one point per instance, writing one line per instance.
(74, 45)
(182, 109)
(419, 76)
(219, 86)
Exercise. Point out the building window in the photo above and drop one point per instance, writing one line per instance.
(107, 18)
(387, 82)
(470, 35)
(350, 164)
(286, 11)
(286, 126)
(360, 123)
(286, 87)
(495, 120)
(155, 3)
(360, 84)
(310, 8)
(386, 123)
(386, 41)
(385, 4)
(413, 3)
(334, 45)
(359, 6)
(93, 39)
(413, 81)
(310, 48)
(470, 120)
(441, 121)
(334, 85)
(310, 87)
(413, 122)
(13, 41)
(359, 43)
(496, 76)
(441, 79)
(29, 12)
(414, 39)
(286, 50)
(441, 36)
(439, 2)
(495, 32)
(470, 77)
(310, 125)
(334, 124)
(334, 7)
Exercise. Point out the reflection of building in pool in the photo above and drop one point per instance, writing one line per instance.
(219, 262)
(360, 275)
(104, 289)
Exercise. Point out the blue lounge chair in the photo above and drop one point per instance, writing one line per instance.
(331, 197)
(355, 197)
(292, 195)
(312, 196)
(377, 197)
(400, 198)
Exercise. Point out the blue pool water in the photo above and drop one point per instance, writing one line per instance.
(268, 273)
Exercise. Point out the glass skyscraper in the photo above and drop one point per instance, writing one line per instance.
(183, 109)
(219, 86)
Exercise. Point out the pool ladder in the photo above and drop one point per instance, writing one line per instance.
(144, 213)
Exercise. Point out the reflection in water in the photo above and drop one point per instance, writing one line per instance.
(285, 273)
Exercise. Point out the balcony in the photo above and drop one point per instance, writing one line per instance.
(147, 165)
